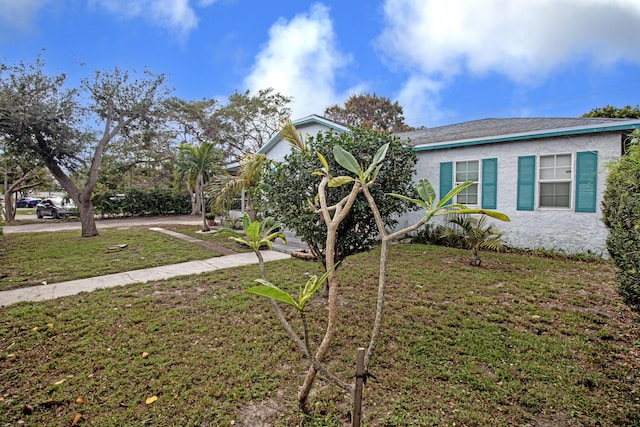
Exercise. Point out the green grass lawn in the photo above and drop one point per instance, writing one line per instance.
(30, 258)
(522, 341)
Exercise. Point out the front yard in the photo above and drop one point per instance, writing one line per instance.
(521, 341)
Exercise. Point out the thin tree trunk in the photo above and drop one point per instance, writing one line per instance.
(342, 209)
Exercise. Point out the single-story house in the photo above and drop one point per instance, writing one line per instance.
(547, 174)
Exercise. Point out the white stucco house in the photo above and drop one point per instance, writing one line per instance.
(547, 174)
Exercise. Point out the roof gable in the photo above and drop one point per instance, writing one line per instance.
(302, 124)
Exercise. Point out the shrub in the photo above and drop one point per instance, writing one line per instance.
(138, 202)
(621, 210)
(288, 187)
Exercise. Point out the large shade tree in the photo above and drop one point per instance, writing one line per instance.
(22, 171)
(369, 112)
(626, 112)
(250, 120)
(70, 128)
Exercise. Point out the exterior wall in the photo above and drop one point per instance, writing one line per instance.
(554, 229)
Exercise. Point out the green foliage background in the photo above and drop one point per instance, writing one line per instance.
(288, 186)
(134, 201)
(621, 209)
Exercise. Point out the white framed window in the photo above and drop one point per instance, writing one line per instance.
(555, 177)
(465, 171)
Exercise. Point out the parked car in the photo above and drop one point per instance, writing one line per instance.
(27, 202)
(54, 207)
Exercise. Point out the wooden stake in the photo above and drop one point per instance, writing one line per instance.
(357, 394)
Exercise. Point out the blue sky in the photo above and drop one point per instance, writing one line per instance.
(444, 61)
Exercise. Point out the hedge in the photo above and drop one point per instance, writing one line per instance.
(141, 202)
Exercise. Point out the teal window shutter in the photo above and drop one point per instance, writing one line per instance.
(526, 183)
(586, 181)
(489, 183)
(446, 179)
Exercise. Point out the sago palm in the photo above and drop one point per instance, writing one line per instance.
(476, 235)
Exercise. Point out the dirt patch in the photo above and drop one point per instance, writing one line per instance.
(262, 414)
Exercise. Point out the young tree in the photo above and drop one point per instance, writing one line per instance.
(361, 179)
(369, 112)
(37, 113)
(198, 164)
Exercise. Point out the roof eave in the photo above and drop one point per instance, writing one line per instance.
(577, 130)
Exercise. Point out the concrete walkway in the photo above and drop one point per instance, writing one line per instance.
(72, 287)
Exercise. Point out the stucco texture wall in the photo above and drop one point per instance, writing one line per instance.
(543, 228)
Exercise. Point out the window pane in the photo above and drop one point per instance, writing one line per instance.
(467, 171)
(555, 195)
(469, 196)
(557, 166)
(547, 173)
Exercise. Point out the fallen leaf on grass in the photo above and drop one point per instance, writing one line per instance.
(59, 382)
(145, 354)
(82, 400)
(76, 419)
(35, 328)
(151, 399)
(49, 325)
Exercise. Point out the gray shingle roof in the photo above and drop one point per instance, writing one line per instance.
(496, 127)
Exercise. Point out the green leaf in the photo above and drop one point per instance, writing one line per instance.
(312, 286)
(230, 231)
(380, 154)
(346, 160)
(451, 194)
(408, 199)
(426, 191)
(253, 231)
(493, 214)
(245, 222)
(269, 290)
(340, 180)
(325, 165)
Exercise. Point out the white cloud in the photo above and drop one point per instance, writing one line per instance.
(175, 15)
(19, 14)
(419, 99)
(301, 60)
(524, 40)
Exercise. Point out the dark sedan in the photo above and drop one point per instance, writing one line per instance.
(27, 202)
(54, 208)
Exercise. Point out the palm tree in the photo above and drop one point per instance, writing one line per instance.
(226, 188)
(198, 164)
(476, 235)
